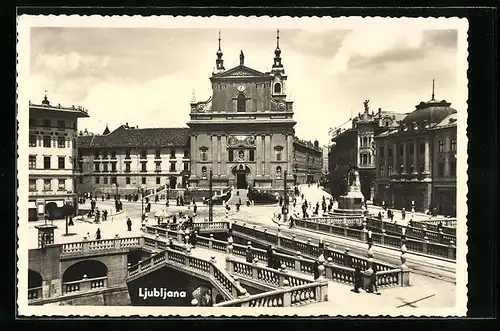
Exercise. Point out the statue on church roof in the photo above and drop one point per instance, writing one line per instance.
(365, 103)
(242, 58)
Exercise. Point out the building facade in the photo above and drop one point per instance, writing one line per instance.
(416, 162)
(307, 161)
(355, 147)
(52, 156)
(244, 132)
(129, 159)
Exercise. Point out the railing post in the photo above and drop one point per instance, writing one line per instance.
(364, 232)
(344, 223)
(328, 268)
(255, 272)
(404, 278)
(210, 241)
(294, 243)
(85, 284)
(424, 245)
(382, 237)
(347, 258)
(180, 235)
(298, 261)
(287, 295)
(424, 231)
(229, 246)
(451, 250)
(278, 234)
(229, 265)
(322, 288)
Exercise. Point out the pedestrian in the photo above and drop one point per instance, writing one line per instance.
(174, 219)
(105, 215)
(98, 234)
(403, 214)
(195, 207)
(194, 238)
(440, 226)
(171, 243)
(316, 270)
(270, 256)
(357, 278)
(129, 224)
(373, 281)
(292, 222)
(249, 255)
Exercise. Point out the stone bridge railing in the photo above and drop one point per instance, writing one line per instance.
(85, 285)
(205, 269)
(421, 246)
(87, 246)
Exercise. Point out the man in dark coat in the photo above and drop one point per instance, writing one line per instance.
(357, 279)
(316, 270)
(194, 238)
(129, 224)
(249, 255)
(270, 257)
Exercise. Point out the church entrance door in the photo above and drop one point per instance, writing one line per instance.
(241, 180)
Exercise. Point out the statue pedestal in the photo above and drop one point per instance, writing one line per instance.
(351, 202)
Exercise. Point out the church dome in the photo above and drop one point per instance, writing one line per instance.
(432, 111)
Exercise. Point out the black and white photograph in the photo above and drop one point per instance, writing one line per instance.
(278, 166)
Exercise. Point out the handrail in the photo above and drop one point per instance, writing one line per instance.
(100, 244)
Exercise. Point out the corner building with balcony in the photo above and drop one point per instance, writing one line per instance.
(129, 159)
(52, 156)
(417, 160)
(244, 132)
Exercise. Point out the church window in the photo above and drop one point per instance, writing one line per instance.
(241, 155)
(241, 103)
(278, 155)
(203, 155)
(231, 155)
(251, 155)
(204, 172)
(278, 171)
(277, 88)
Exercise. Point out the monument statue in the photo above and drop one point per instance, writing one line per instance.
(365, 103)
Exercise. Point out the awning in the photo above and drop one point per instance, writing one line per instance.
(31, 204)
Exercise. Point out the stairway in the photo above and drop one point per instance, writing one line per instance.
(235, 198)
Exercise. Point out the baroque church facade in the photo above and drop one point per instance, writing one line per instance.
(244, 132)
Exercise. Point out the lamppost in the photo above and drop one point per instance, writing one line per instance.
(142, 202)
(285, 198)
(210, 203)
(167, 185)
(116, 194)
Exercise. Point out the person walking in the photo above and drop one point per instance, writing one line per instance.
(98, 234)
(357, 278)
(249, 255)
(270, 256)
(373, 281)
(129, 224)
(105, 215)
(194, 238)
(316, 270)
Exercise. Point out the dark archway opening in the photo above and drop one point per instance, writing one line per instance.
(91, 268)
(277, 88)
(219, 298)
(135, 256)
(34, 279)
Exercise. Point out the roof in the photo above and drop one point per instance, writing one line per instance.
(429, 112)
(126, 136)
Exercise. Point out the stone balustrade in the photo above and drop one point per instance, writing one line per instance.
(35, 293)
(209, 269)
(284, 297)
(423, 246)
(84, 285)
(87, 246)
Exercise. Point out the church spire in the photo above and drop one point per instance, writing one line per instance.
(277, 54)
(106, 130)
(219, 62)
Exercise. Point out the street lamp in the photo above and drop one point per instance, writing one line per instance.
(142, 203)
(167, 185)
(210, 203)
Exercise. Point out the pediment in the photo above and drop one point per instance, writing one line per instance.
(241, 71)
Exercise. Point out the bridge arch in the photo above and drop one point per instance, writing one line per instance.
(34, 279)
(91, 268)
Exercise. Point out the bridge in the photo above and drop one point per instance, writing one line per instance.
(221, 263)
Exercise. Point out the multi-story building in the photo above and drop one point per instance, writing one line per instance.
(308, 161)
(325, 150)
(244, 133)
(127, 159)
(417, 160)
(52, 155)
(355, 147)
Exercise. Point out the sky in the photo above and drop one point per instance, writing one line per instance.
(146, 76)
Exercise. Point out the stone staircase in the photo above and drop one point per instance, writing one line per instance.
(235, 197)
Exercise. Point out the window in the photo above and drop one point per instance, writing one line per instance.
(143, 166)
(32, 122)
(143, 154)
(113, 180)
(278, 156)
(204, 172)
(186, 153)
(96, 167)
(105, 180)
(158, 181)
(278, 171)
(46, 162)
(381, 151)
(389, 150)
(105, 167)
(32, 161)
(61, 162)
(143, 180)
(453, 168)
(241, 155)
(441, 146)
(113, 167)
(32, 140)
(441, 169)
(382, 169)
(421, 147)
(97, 180)
(47, 123)
(113, 155)
(172, 166)
(241, 103)
(251, 155)
(158, 166)
(127, 180)
(46, 141)
(47, 185)
(186, 166)
(389, 169)
(60, 125)
(127, 153)
(127, 167)
(32, 185)
(172, 153)
(453, 145)
(203, 155)
(157, 153)
(231, 155)
(277, 88)
(61, 142)
(61, 185)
